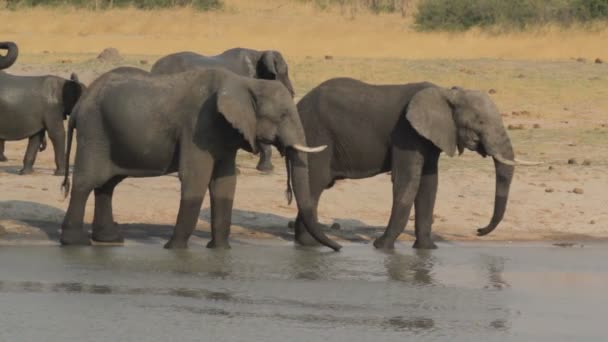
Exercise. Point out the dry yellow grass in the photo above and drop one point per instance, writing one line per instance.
(296, 28)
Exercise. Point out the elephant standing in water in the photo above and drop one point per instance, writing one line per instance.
(31, 105)
(193, 123)
(372, 129)
(267, 65)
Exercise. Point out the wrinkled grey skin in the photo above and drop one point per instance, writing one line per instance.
(267, 65)
(372, 129)
(192, 123)
(31, 105)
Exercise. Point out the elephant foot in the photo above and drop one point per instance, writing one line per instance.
(265, 166)
(26, 171)
(176, 244)
(59, 172)
(424, 244)
(3, 158)
(218, 245)
(382, 243)
(107, 235)
(75, 237)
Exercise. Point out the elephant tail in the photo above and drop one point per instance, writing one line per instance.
(289, 191)
(65, 186)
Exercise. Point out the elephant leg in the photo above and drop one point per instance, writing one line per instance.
(425, 204)
(195, 175)
(56, 133)
(72, 230)
(221, 191)
(30, 153)
(407, 166)
(265, 162)
(2, 156)
(104, 227)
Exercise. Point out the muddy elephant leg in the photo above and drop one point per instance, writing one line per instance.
(265, 162)
(221, 191)
(425, 204)
(406, 174)
(195, 175)
(104, 227)
(30, 153)
(56, 133)
(2, 156)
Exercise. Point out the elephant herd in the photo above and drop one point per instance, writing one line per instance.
(191, 114)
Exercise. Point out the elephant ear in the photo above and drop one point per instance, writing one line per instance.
(236, 103)
(71, 92)
(430, 113)
(266, 68)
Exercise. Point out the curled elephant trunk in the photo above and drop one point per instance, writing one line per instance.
(298, 180)
(504, 175)
(11, 54)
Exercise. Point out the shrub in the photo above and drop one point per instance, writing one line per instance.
(519, 14)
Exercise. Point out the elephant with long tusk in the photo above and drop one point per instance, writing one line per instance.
(192, 123)
(372, 129)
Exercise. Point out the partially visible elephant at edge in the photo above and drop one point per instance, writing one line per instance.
(373, 129)
(31, 105)
(193, 123)
(267, 65)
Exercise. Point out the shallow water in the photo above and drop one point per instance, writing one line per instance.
(461, 292)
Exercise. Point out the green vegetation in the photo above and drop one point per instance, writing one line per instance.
(106, 4)
(459, 15)
(376, 6)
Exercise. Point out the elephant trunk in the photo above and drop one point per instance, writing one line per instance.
(291, 137)
(287, 83)
(11, 54)
(297, 170)
(504, 176)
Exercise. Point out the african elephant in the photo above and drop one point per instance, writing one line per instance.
(373, 129)
(31, 105)
(268, 65)
(192, 123)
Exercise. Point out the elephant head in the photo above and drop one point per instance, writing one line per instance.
(72, 89)
(272, 66)
(11, 54)
(264, 112)
(455, 119)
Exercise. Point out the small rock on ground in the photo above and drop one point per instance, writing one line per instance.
(109, 55)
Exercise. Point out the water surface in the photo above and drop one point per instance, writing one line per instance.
(460, 292)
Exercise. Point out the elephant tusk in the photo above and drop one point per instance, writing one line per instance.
(309, 149)
(515, 161)
(502, 160)
(527, 163)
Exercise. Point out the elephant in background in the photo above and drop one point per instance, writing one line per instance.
(192, 123)
(373, 129)
(33, 105)
(267, 65)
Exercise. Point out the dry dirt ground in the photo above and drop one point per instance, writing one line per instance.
(557, 110)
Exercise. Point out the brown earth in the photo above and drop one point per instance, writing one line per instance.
(559, 110)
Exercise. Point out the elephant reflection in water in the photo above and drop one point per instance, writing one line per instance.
(416, 269)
